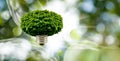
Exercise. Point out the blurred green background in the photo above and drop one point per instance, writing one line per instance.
(98, 18)
(92, 20)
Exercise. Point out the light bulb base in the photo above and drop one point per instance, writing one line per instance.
(41, 39)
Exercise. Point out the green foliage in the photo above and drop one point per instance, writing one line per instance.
(1, 22)
(101, 19)
(43, 2)
(41, 22)
(35, 55)
(75, 35)
(24, 5)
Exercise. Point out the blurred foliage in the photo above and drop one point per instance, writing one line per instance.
(24, 5)
(6, 31)
(100, 16)
(1, 22)
(74, 34)
(35, 55)
(8, 27)
(90, 51)
(43, 2)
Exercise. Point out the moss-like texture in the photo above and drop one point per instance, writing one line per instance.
(41, 22)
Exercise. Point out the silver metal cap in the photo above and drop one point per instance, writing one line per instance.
(41, 39)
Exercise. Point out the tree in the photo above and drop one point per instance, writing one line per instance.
(41, 22)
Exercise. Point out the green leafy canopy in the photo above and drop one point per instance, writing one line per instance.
(41, 22)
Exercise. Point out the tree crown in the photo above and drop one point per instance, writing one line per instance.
(41, 22)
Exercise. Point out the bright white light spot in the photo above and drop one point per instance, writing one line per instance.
(54, 44)
(109, 5)
(20, 54)
(106, 16)
(70, 17)
(88, 6)
(22, 49)
(82, 29)
(5, 15)
(110, 39)
(56, 6)
(97, 38)
(119, 21)
(25, 45)
(15, 47)
(6, 49)
(100, 27)
(71, 2)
